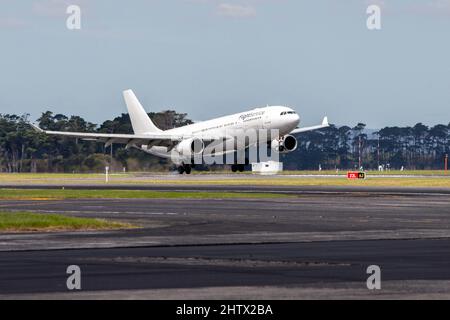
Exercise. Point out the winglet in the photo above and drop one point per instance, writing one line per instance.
(35, 127)
(325, 122)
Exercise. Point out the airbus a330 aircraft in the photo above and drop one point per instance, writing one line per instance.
(189, 141)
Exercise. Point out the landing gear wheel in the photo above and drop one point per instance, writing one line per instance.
(187, 169)
(234, 168)
(241, 167)
(181, 169)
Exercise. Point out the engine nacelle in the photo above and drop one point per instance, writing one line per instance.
(284, 144)
(190, 147)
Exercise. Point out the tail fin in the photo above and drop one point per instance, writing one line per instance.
(139, 118)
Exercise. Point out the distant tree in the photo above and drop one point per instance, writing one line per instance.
(169, 119)
(22, 149)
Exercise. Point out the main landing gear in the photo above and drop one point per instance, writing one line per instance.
(238, 167)
(186, 168)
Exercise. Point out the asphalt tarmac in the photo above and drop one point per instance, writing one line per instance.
(243, 188)
(316, 244)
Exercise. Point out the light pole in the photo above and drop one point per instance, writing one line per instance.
(446, 163)
(359, 152)
(378, 151)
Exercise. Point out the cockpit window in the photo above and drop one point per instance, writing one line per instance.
(287, 112)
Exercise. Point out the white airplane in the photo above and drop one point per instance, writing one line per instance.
(187, 141)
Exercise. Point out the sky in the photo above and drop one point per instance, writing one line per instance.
(210, 58)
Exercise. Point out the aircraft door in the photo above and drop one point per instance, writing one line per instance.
(266, 121)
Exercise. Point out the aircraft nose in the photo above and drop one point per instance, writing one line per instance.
(295, 119)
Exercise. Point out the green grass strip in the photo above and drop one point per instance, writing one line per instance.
(55, 194)
(27, 222)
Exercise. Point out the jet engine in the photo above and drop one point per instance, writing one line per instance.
(190, 147)
(284, 144)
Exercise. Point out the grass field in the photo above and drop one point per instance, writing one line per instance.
(320, 181)
(371, 173)
(89, 176)
(289, 178)
(29, 222)
(16, 194)
(378, 182)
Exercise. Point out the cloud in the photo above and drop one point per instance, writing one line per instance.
(432, 7)
(380, 3)
(12, 23)
(236, 11)
(55, 8)
(440, 4)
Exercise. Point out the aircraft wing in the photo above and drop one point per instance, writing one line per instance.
(128, 139)
(324, 124)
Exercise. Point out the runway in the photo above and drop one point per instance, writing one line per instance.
(312, 244)
(241, 188)
(300, 266)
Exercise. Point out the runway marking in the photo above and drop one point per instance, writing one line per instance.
(202, 261)
(96, 212)
(18, 203)
(31, 199)
(52, 241)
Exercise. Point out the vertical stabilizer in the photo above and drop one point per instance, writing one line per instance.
(139, 118)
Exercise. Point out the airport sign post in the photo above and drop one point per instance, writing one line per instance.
(355, 175)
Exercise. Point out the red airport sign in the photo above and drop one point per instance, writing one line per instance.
(356, 175)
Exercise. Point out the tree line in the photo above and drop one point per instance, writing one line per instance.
(414, 148)
(22, 149)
